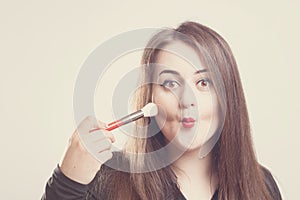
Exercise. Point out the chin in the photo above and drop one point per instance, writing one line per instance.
(188, 147)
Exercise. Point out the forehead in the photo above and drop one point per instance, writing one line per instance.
(179, 57)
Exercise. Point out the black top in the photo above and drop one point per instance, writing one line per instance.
(60, 187)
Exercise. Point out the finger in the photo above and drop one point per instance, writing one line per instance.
(90, 123)
(109, 135)
(101, 126)
(95, 135)
(104, 156)
(100, 145)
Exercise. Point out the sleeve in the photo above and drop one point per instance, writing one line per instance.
(61, 187)
(271, 184)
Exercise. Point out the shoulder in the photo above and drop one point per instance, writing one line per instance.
(113, 167)
(271, 184)
(110, 177)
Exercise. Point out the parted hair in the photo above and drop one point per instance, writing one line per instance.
(240, 176)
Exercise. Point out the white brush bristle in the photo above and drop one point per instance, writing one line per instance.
(150, 110)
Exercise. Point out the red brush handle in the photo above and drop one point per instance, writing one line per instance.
(114, 125)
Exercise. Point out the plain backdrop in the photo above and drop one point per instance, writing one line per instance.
(44, 43)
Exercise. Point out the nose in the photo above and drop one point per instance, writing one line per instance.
(187, 97)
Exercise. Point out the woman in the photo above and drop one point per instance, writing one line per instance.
(203, 129)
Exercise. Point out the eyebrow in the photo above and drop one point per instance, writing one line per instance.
(176, 73)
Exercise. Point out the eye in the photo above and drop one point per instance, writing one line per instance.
(203, 83)
(170, 84)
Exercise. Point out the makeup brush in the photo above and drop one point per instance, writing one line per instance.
(148, 110)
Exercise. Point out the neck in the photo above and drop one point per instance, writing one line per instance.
(193, 172)
(190, 164)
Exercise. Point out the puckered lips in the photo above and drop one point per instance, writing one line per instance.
(188, 122)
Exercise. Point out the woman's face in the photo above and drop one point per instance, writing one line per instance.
(185, 97)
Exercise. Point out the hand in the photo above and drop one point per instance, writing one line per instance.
(87, 151)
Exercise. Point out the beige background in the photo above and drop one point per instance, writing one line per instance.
(44, 43)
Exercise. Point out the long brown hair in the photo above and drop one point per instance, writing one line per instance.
(239, 173)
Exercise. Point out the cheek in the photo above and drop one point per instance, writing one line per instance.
(168, 112)
(167, 103)
(208, 118)
(207, 107)
(205, 113)
(208, 112)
